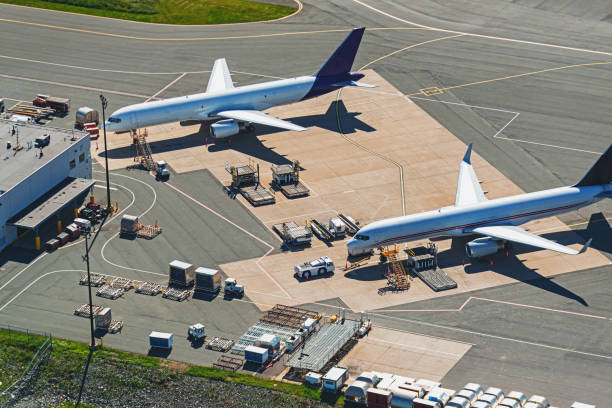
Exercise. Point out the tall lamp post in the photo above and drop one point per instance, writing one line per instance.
(108, 198)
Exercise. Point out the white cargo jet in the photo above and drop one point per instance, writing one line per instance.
(237, 108)
(496, 221)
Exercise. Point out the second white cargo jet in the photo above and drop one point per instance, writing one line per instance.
(496, 221)
(239, 107)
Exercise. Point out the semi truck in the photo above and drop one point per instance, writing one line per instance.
(319, 266)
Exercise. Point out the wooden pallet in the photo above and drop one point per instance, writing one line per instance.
(220, 344)
(228, 363)
(83, 310)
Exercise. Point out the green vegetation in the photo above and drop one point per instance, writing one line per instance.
(118, 372)
(167, 11)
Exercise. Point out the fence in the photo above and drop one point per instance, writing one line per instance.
(13, 336)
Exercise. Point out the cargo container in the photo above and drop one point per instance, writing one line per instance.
(530, 404)
(62, 237)
(458, 402)
(335, 378)
(468, 395)
(378, 398)
(72, 230)
(256, 355)
(509, 403)
(402, 398)
(517, 396)
(313, 378)
(269, 342)
(357, 392)
(475, 388)
(52, 244)
(181, 273)
(369, 377)
(161, 340)
(129, 224)
(423, 403)
(441, 395)
(207, 280)
(488, 398)
(582, 405)
(497, 392)
(417, 389)
(293, 341)
(103, 319)
(83, 224)
(540, 400)
(86, 115)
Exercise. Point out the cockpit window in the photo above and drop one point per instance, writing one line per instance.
(362, 237)
(114, 120)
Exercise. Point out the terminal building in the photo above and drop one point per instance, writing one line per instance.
(43, 171)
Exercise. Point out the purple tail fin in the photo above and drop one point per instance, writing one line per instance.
(342, 59)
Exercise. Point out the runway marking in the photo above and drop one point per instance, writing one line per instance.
(460, 308)
(493, 336)
(258, 262)
(166, 87)
(234, 37)
(512, 77)
(87, 88)
(489, 37)
(299, 10)
(497, 135)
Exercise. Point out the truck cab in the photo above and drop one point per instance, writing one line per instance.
(319, 266)
(232, 288)
(162, 171)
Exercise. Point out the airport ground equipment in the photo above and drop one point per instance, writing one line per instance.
(337, 227)
(174, 293)
(334, 379)
(365, 325)
(293, 234)
(42, 141)
(30, 110)
(142, 151)
(86, 115)
(245, 178)
(130, 225)
(181, 273)
(286, 177)
(220, 344)
(2, 106)
(423, 262)
(196, 332)
(357, 392)
(161, 170)
(103, 318)
(72, 230)
(228, 363)
(257, 355)
(378, 398)
(320, 230)
(60, 105)
(52, 244)
(232, 288)
(317, 267)
(92, 129)
(83, 310)
(352, 226)
(207, 280)
(96, 279)
(288, 316)
(396, 275)
(269, 341)
(161, 340)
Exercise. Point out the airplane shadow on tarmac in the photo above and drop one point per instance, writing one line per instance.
(248, 143)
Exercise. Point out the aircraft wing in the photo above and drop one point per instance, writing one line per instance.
(220, 78)
(517, 234)
(260, 118)
(468, 187)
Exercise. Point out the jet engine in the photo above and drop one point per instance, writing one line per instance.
(224, 128)
(482, 247)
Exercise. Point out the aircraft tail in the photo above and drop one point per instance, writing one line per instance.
(600, 173)
(341, 61)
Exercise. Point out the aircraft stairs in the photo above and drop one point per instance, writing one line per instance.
(143, 153)
(397, 277)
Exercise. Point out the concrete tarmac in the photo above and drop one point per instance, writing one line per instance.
(537, 109)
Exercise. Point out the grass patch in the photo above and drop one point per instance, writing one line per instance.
(187, 12)
(122, 371)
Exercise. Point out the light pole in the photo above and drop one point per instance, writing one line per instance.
(108, 198)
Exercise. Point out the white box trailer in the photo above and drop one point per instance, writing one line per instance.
(335, 378)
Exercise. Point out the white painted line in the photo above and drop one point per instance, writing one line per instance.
(103, 187)
(24, 269)
(71, 86)
(166, 87)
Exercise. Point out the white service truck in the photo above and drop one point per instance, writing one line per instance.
(319, 266)
(232, 288)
